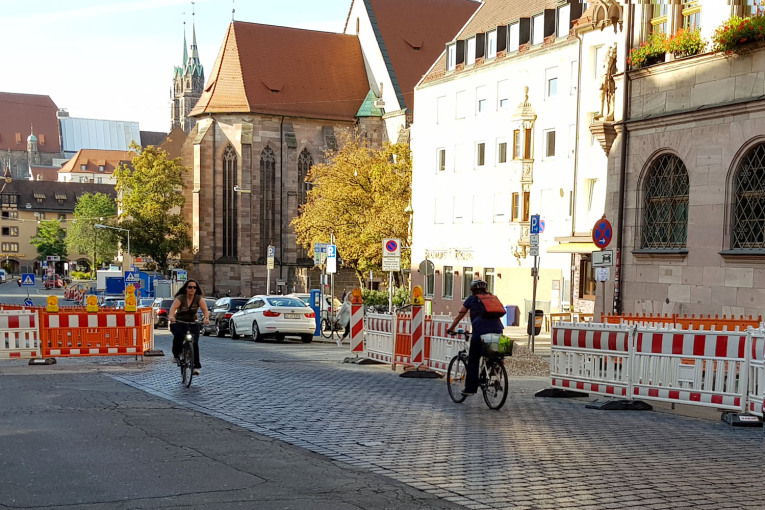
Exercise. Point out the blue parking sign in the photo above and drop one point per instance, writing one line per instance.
(535, 224)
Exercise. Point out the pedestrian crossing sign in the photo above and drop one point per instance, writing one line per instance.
(27, 279)
(132, 277)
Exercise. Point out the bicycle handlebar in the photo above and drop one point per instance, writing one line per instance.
(463, 332)
(185, 322)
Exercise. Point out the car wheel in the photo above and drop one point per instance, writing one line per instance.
(256, 336)
(218, 329)
(307, 339)
(232, 328)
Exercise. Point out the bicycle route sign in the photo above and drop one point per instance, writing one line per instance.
(602, 233)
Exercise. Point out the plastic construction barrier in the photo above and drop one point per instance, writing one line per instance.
(708, 322)
(378, 336)
(441, 347)
(756, 394)
(19, 335)
(402, 325)
(707, 368)
(591, 357)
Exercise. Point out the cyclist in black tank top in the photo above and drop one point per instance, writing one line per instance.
(188, 300)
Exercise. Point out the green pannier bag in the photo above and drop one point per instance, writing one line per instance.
(496, 345)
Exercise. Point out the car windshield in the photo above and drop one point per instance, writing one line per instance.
(237, 304)
(285, 301)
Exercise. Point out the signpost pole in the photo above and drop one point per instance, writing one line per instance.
(535, 273)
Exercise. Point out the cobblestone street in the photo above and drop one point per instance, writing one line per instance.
(533, 453)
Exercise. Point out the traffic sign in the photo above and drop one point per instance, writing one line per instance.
(602, 233)
(604, 258)
(534, 251)
(331, 258)
(541, 226)
(319, 253)
(534, 223)
(391, 248)
(534, 240)
(601, 274)
(427, 267)
(270, 259)
(52, 258)
(28, 302)
(132, 277)
(28, 279)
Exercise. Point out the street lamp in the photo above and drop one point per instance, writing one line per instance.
(98, 225)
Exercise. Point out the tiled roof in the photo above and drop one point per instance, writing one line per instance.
(152, 138)
(286, 71)
(414, 33)
(20, 113)
(44, 173)
(490, 15)
(27, 192)
(173, 142)
(93, 158)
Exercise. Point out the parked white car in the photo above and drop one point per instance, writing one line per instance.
(275, 316)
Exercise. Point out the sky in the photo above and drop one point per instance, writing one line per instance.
(108, 59)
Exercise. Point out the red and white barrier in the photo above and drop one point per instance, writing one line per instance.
(418, 335)
(756, 392)
(440, 346)
(591, 357)
(379, 338)
(357, 328)
(19, 335)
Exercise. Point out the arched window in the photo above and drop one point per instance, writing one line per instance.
(305, 162)
(267, 200)
(230, 206)
(748, 227)
(665, 204)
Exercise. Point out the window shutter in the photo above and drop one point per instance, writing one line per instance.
(549, 22)
(480, 45)
(575, 12)
(460, 52)
(501, 38)
(524, 30)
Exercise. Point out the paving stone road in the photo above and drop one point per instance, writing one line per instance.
(534, 453)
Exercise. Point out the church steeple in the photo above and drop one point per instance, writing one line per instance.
(188, 82)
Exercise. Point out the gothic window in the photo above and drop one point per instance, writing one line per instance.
(748, 228)
(305, 162)
(267, 200)
(230, 206)
(665, 204)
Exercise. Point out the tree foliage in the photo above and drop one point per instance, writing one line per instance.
(359, 196)
(81, 235)
(150, 198)
(49, 239)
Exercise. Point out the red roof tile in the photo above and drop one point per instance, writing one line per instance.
(19, 113)
(92, 158)
(415, 33)
(286, 71)
(44, 173)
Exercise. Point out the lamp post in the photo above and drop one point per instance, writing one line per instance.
(98, 225)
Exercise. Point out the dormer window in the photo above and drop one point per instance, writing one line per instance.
(39, 197)
(513, 36)
(491, 44)
(538, 29)
(564, 20)
(83, 168)
(451, 57)
(100, 168)
(470, 52)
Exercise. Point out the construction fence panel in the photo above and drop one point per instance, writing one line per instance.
(19, 335)
(756, 393)
(440, 346)
(378, 336)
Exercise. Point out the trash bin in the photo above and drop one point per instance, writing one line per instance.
(537, 321)
(511, 316)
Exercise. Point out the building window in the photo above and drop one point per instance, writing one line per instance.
(516, 212)
(488, 277)
(10, 247)
(83, 167)
(11, 231)
(441, 110)
(230, 203)
(503, 94)
(564, 20)
(551, 82)
(526, 213)
(100, 168)
(441, 160)
(500, 207)
(692, 15)
(538, 29)
(517, 144)
(467, 278)
(491, 44)
(502, 152)
(429, 285)
(461, 106)
(527, 144)
(574, 77)
(513, 36)
(267, 201)
(480, 99)
(550, 143)
(10, 215)
(470, 52)
(748, 227)
(305, 162)
(660, 18)
(665, 204)
(99, 180)
(586, 278)
(451, 57)
(448, 282)
(480, 154)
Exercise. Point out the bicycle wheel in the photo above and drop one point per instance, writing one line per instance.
(326, 328)
(187, 363)
(456, 377)
(495, 389)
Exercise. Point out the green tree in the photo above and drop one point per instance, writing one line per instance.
(359, 196)
(81, 235)
(49, 239)
(150, 199)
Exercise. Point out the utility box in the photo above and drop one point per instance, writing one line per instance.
(103, 274)
(535, 320)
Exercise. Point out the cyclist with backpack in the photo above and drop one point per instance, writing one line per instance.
(485, 312)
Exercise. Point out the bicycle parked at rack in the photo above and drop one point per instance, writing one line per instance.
(492, 376)
(330, 326)
(186, 358)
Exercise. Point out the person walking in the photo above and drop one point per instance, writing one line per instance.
(344, 318)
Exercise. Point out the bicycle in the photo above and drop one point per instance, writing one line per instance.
(492, 377)
(330, 326)
(186, 358)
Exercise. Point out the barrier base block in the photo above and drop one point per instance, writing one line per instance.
(741, 419)
(154, 352)
(560, 393)
(357, 360)
(420, 373)
(42, 361)
(619, 405)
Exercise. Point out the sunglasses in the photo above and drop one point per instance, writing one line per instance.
(191, 287)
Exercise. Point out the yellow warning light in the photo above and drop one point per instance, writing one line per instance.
(52, 304)
(417, 299)
(356, 297)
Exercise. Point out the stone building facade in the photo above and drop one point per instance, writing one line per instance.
(188, 82)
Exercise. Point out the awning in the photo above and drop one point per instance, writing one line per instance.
(573, 248)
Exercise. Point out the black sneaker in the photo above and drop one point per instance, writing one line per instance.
(466, 392)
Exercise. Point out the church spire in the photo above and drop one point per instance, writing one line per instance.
(185, 46)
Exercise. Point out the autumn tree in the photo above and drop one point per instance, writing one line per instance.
(83, 237)
(49, 239)
(360, 196)
(150, 198)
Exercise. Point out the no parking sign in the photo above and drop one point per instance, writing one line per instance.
(602, 232)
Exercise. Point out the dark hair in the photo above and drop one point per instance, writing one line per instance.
(182, 290)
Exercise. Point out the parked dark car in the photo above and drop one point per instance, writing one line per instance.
(200, 313)
(159, 310)
(220, 313)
